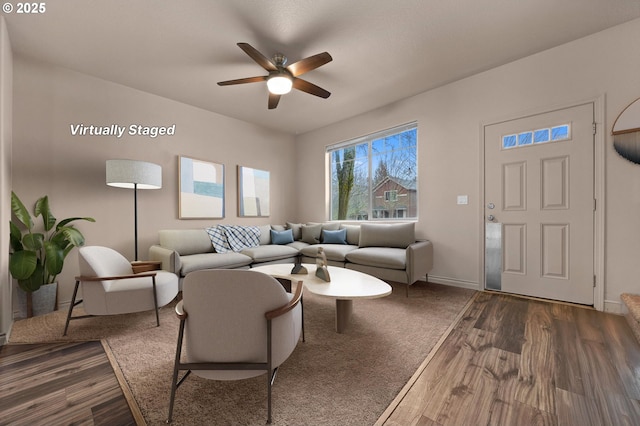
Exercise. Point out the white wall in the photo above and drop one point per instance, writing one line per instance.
(48, 160)
(6, 83)
(449, 121)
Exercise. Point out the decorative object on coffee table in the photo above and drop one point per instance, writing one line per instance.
(322, 271)
(298, 268)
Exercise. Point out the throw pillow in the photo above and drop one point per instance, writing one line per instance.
(218, 239)
(399, 235)
(265, 235)
(334, 237)
(311, 233)
(241, 237)
(296, 228)
(331, 226)
(353, 234)
(281, 237)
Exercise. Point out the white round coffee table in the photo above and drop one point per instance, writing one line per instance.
(345, 286)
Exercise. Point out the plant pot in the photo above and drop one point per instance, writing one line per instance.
(43, 300)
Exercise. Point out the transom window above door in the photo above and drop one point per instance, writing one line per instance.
(538, 136)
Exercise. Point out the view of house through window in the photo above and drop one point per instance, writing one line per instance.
(375, 176)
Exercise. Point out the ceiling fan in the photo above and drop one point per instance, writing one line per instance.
(283, 77)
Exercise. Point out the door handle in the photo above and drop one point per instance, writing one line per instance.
(491, 218)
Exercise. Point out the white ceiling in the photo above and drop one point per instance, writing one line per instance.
(383, 50)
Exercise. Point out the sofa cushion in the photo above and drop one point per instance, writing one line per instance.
(400, 235)
(353, 234)
(298, 245)
(296, 229)
(311, 233)
(334, 237)
(185, 241)
(265, 234)
(281, 237)
(383, 257)
(270, 253)
(228, 260)
(335, 252)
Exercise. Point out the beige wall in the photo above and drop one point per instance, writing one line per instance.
(6, 83)
(47, 159)
(449, 122)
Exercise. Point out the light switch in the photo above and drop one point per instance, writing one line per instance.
(463, 199)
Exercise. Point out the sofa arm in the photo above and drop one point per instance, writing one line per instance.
(170, 258)
(419, 260)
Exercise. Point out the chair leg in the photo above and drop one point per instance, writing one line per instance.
(176, 365)
(269, 371)
(155, 301)
(71, 305)
(302, 315)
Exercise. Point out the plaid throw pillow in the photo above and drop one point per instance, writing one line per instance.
(218, 239)
(240, 237)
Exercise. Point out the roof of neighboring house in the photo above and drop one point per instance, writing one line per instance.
(409, 184)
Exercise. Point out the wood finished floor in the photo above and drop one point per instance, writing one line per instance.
(60, 384)
(516, 361)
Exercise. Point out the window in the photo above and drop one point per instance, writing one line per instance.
(375, 176)
(530, 137)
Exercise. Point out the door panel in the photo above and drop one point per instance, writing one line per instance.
(539, 181)
(515, 248)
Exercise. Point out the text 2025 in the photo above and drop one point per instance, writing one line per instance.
(31, 7)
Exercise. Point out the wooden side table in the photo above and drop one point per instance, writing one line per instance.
(145, 266)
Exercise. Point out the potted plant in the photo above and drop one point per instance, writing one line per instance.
(36, 258)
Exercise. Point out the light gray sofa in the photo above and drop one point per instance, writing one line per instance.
(387, 251)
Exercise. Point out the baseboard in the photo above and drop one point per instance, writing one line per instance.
(471, 285)
(614, 307)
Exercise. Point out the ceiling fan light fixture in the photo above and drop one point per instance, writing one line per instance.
(279, 84)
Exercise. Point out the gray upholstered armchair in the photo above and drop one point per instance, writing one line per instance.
(236, 324)
(109, 286)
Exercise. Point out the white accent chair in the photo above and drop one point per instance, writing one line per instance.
(236, 324)
(110, 287)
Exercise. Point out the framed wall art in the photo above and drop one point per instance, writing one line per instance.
(201, 189)
(253, 192)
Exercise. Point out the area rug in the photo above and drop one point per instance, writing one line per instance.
(331, 379)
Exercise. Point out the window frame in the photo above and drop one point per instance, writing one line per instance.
(370, 214)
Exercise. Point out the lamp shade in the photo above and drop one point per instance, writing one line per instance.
(133, 173)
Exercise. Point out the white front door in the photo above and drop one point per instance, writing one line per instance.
(539, 205)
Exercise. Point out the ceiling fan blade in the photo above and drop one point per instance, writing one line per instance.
(242, 81)
(309, 64)
(258, 57)
(273, 100)
(311, 88)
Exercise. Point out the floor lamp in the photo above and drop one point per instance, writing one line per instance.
(134, 175)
